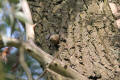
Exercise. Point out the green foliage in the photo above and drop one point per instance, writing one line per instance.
(14, 1)
(11, 1)
(10, 14)
(2, 72)
(21, 16)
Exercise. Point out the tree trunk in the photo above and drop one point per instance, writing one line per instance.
(89, 42)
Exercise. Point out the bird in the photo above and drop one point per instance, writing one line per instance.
(54, 38)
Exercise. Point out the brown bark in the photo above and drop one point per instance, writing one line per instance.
(89, 42)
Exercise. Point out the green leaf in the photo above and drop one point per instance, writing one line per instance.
(18, 7)
(21, 16)
(14, 1)
(3, 31)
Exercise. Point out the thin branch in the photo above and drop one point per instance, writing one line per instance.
(23, 63)
(47, 66)
(13, 77)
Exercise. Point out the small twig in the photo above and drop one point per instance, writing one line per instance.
(85, 4)
(23, 64)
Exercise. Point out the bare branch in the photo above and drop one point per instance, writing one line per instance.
(29, 26)
(13, 77)
(47, 66)
(23, 64)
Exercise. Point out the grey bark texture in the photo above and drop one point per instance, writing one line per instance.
(89, 43)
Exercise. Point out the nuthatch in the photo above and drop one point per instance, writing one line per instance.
(55, 39)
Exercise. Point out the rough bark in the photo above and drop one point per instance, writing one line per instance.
(89, 42)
